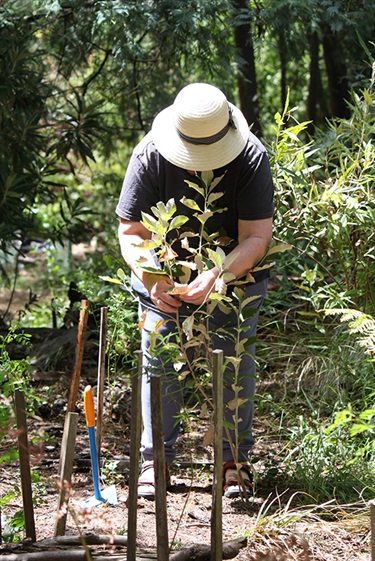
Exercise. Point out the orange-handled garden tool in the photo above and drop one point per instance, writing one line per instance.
(109, 495)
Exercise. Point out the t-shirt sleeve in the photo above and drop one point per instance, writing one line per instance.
(140, 187)
(255, 190)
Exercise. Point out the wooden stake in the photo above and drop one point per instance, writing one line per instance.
(24, 456)
(67, 460)
(54, 315)
(160, 472)
(217, 488)
(135, 436)
(101, 378)
(79, 348)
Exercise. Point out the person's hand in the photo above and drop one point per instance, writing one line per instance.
(201, 287)
(158, 287)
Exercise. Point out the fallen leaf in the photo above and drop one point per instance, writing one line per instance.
(209, 437)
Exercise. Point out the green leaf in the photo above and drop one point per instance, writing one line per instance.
(240, 348)
(219, 297)
(229, 425)
(18, 520)
(213, 197)
(367, 97)
(152, 224)
(296, 129)
(6, 499)
(278, 119)
(164, 211)
(190, 203)
(204, 216)
(149, 269)
(196, 187)
(177, 222)
(198, 260)
(263, 267)
(360, 428)
(247, 301)
(110, 279)
(367, 414)
(278, 249)
(187, 326)
(217, 257)
(236, 361)
(216, 181)
(207, 177)
(121, 274)
(236, 403)
(182, 375)
(147, 245)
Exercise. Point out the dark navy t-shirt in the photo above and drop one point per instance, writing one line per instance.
(246, 183)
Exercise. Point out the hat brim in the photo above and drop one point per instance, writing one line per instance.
(198, 157)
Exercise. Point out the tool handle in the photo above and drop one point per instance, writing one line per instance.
(88, 401)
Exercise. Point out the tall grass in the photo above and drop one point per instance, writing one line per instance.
(326, 212)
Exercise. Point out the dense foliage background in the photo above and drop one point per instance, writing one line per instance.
(80, 83)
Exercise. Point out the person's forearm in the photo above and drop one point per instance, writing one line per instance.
(246, 255)
(239, 262)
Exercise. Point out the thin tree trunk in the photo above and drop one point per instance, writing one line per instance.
(283, 65)
(317, 109)
(338, 84)
(246, 79)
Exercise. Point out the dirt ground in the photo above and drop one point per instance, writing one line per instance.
(276, 521)
(276, 529)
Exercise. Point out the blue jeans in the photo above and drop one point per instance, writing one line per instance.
(172, 389)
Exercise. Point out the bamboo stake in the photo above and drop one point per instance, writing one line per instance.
(67, 460)
(135, 436)
(79, 348)
(24, 456)
(160, 472)
(217, 508)
(101, 377)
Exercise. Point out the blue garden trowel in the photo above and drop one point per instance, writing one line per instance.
(109, 495)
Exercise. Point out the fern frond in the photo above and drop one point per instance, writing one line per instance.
(360, 324)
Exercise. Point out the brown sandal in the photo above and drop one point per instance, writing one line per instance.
(146, 480)
(235, 484)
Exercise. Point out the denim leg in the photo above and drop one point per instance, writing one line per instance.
(159, 365)
(225, 324)
(172, 388)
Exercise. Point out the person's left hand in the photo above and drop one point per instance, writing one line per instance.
(200, 287)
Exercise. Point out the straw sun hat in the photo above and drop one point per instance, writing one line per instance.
(201, 131)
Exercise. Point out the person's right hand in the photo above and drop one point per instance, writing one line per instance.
(158, 287)
(201, 287)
